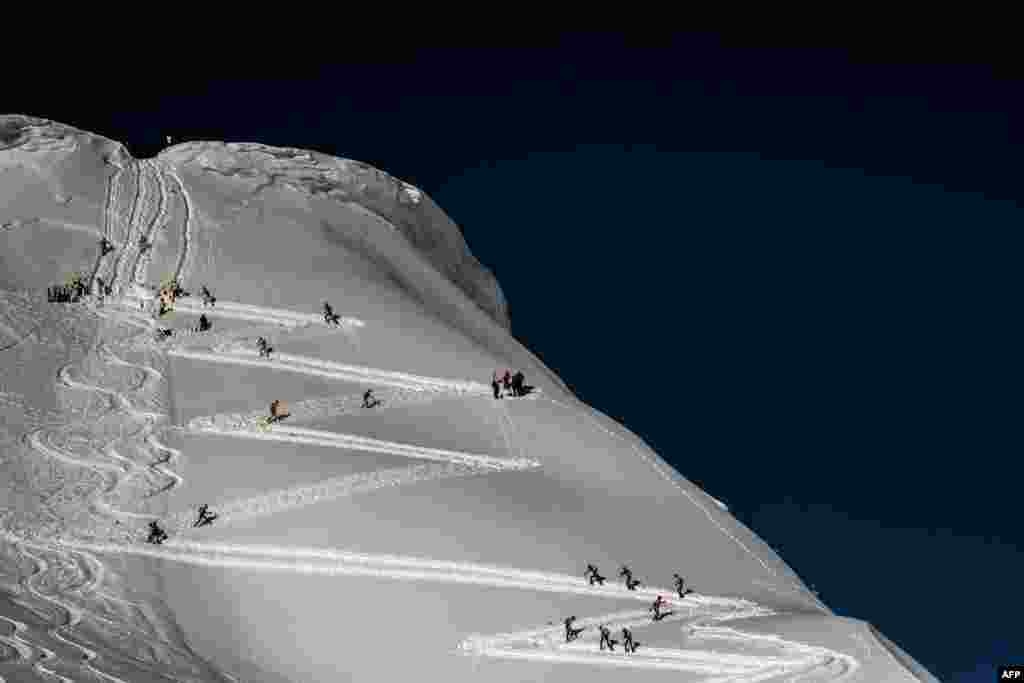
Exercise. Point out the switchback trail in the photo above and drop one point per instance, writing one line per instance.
(799, 661)
(337, 371)
(354, 442)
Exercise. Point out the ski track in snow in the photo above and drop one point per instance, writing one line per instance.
(71, 616)
(338, 371)
(143, 258)
(261, 314)
(117, 396)
(34, 332)
(801, 662)
(35, 440)
(109, 209)
(320, 408)
(183, 339)
(334, 562)
(318, 437)
(186, 229)
(536, 644)
(325, 490)
(23, 650)
(68, 615)
(131, 245)
(540, 643)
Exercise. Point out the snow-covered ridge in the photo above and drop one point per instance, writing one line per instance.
(406, 208)
(19, 132)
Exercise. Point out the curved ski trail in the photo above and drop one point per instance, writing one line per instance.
(131, 245)
(109, 213)
(186, 229)
(143, 259)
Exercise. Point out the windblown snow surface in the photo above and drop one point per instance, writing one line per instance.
(441, 535)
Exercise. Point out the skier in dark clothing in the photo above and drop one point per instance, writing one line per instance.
(204, 323)
(496, 387)
(163, 333)
(105, 247)
(656, 608)
(631, 583)
(627, 641)
(593, 576)
(208, 298)
(103, 288)
(571, 633)
(264, 347)
(156, 534)
(506, 380)
(517, 384)
(679, 586)
(369, 401)
(205, 516)
(330, 317)
(606, 639)
(143, 244)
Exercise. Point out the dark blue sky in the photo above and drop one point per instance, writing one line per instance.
(794, 272)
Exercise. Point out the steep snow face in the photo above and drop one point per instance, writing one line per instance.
(401, 206)
(392, 506)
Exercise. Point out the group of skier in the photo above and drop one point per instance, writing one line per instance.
(628, 644)
(65, 294)
(507, 382)
(157, 535)
(204, 326)
(657, 608)
(168, 293)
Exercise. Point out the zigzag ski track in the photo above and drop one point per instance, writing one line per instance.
(261, 314)
(337, 371)
(354, 442)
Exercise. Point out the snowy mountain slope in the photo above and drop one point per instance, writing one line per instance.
(442, 525)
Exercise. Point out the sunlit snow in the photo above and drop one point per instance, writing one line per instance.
(438, 535)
